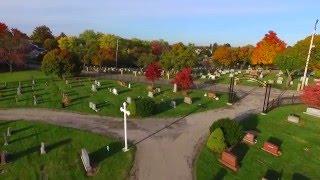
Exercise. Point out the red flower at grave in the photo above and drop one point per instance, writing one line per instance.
(311, 96)
(153, 72)
(184, 79)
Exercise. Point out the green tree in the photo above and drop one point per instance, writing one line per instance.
(232, 130)
(289, 62)
(40, 34)
(50, 44)
(216, 141)
(146, 59)
(61, 63)
(179, 57)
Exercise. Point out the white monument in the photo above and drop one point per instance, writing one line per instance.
(125, 114)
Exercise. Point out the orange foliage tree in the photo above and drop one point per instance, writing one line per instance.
(267, 49)
(223, 55)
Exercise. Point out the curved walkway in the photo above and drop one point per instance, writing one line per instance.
(165, 148)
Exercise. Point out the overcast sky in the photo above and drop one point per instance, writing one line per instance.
(238, 22)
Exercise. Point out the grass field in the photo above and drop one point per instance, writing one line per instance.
(63, 146)
(299, 145)
(79, 91)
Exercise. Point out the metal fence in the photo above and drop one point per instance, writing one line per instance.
(281, 101)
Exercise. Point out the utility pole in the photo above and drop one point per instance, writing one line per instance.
(117, 53)
(308, 58)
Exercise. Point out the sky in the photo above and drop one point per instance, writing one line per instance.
(238, 22)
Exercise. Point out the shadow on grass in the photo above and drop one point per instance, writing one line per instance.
(220, 175)
(298, 176)
(240, 151)
(79, 98)
(51, 147)
(273, 175)
(23, 138)
(249, 122)
(124, 91)
(14, 132)
(275, 141)
(101, 154)
(6, 123)
(15, 156)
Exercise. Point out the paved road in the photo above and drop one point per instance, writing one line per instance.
(165, 147)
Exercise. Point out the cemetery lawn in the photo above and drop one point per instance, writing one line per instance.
(299, 145)
(80, 94)
(63, 146)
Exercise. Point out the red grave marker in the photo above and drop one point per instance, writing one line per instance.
(229, 160)
(271, 148)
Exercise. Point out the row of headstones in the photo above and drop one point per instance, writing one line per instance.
(6, 143)
(84, 155)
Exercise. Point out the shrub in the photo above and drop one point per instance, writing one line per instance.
(317, 74)
(142, 107)
(311, 96)
(216, 141)
(232, 130)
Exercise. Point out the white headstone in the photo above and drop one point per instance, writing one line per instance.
(129, 100)
(175, 88)
(114, 91)
(129, 86)
(42, 148)
(173, 104)
(86, 160)
(5, 139)
(8, 132)
(35, 101)
(93, 88)
(150, 94)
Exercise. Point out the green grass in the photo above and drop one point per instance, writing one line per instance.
(63, 146)
(79, 91)
(294, 163)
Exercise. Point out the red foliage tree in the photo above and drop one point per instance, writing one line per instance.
(184, 79)
(13, 46)
(153, 72)
(311, 96)
(156, 48)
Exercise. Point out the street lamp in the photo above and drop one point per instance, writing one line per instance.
(309, 53)
(117, 53)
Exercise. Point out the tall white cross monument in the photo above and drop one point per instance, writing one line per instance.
(125, 114)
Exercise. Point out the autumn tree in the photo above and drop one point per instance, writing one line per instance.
(267, 49)
(153, 72)
(184, 79)
(179, 57)
(40, 34)
(223, 55)
(13, 46)
(243, 55)
(61, 63)
(311, 96)
(145, 59)
(50, 44)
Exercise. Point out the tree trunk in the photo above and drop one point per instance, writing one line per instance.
(289, 79)
(10, 66)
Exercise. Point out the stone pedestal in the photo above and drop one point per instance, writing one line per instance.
(313, 112)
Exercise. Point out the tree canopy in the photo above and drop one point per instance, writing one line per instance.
(267, 49)
(40, 34)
